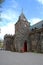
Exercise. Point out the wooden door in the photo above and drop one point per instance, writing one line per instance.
(25, 46)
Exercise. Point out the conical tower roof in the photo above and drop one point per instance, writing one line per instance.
(22, 17)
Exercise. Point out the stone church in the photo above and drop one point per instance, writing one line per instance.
(26, 38)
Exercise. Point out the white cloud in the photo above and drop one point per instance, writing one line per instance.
(9, 14)
(34, 20)
(41, 1)
(9, 29)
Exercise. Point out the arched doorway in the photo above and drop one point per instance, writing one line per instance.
(25, 46)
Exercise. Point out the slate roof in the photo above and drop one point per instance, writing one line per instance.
(37, 25)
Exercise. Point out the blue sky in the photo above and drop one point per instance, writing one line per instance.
(11, 9)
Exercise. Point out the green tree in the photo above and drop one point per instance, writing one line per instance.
(1, 1)
(1, 43)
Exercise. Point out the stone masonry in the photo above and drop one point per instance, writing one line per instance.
(26, 38)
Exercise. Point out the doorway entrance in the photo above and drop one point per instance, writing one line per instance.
(25, 46)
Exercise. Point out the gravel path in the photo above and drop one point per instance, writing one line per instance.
(13, 58)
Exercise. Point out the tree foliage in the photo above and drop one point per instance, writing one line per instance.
(1, 43)
(1, 1)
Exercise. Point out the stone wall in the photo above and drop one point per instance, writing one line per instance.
(36, 38)
(8, 42)
(21, 34)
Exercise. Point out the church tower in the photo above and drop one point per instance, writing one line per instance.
(21, 33)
